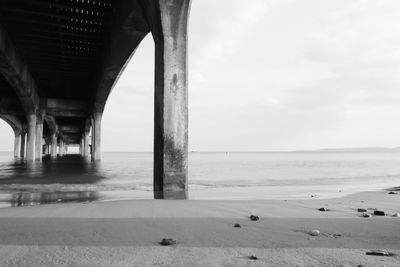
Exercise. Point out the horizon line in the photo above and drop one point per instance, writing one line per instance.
(339, 149)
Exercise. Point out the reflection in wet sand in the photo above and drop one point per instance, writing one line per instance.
(29, 199)
(70, 169)
(70, 178)
(171, 195)
(58, 180)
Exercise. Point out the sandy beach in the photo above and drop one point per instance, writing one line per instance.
(127, 233)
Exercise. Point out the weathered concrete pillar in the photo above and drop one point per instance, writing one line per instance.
(31, 139)
(96, 144)
(48, 147)
(17, 144)
(53, 150)
(22, 152)
(171, 100)
(92, 142)
(61, 148)
(39, 137)
(85, 144)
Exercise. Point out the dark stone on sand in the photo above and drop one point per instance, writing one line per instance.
(252, 257)
(168, 241)
(378, 252)
(361, 210)
(392, 193)
(379, 213)
(323, 209)
(254, 217)
(314, 232)
(236, 225)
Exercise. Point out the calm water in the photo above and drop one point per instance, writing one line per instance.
(211, 176)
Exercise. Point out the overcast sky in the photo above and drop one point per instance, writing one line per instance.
(272, 75)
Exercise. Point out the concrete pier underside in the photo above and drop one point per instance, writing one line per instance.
(59, 61)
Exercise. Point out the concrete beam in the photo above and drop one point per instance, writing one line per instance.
(66, 108)
(130, 27)
(51, 122)
(10, 106)
(65, 104)
(17, 74)
(71, 140)
(15, 123)
(70, 129)
(67, 113)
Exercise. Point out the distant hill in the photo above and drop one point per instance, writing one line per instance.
(355, 149)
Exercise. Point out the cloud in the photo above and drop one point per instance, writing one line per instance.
(272, 75)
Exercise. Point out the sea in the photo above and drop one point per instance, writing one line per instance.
(212, 176)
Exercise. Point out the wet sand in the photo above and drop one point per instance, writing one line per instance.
(127, 233)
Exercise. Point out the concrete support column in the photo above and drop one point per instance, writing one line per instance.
(92, 141)
(171, 101)
(85, 144)
(22, 152)
(31, 139)
(61, 148)
(17, 144)
(39, 137)
(53, 149)
(96, 144)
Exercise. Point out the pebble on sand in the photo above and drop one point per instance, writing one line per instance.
(252, 257)
(254, 217)
(367, 215)
(378, 252)
(379, 213)
(168, 241)
(323, 209)
(315, 233)
(236, 225)
(392, 193)
(361, 210)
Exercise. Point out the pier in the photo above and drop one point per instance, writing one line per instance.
(59, 61)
